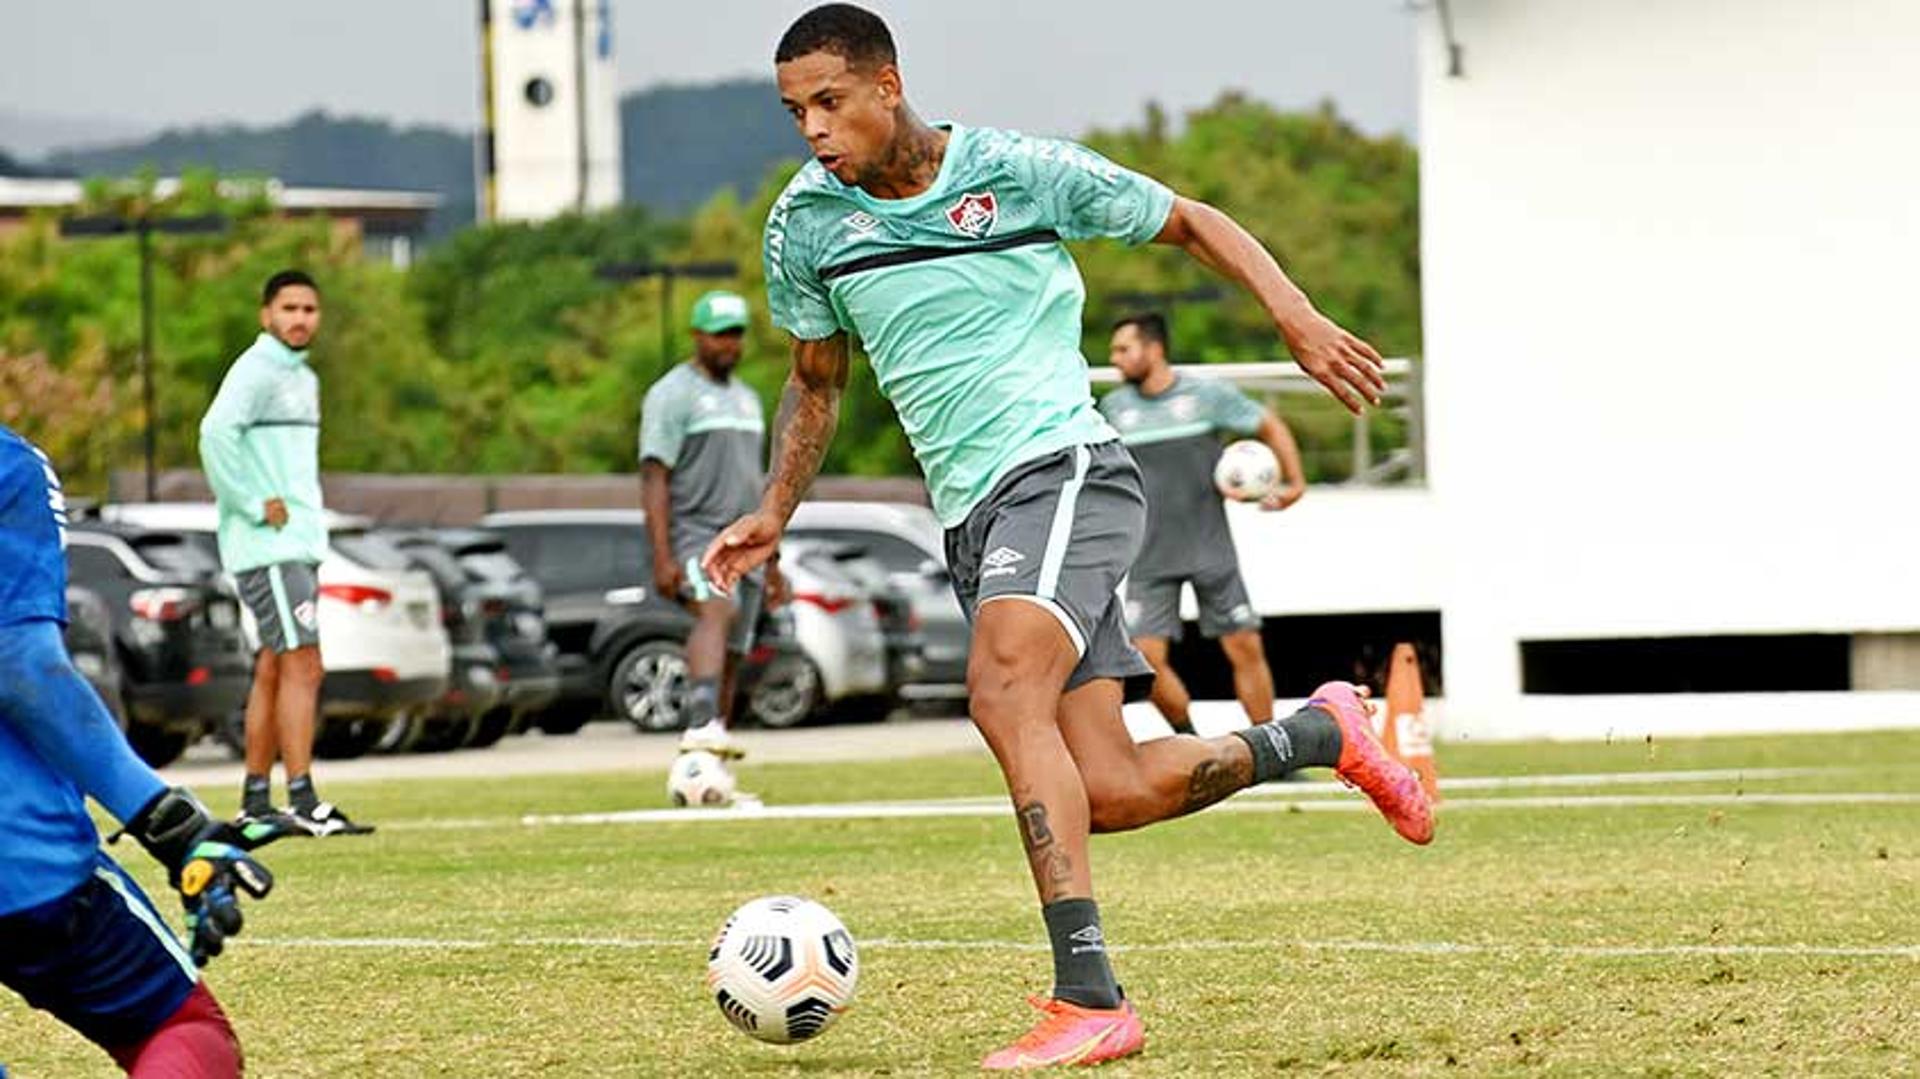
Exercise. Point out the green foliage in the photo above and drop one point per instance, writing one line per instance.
(72, 307)
(504, 350)
(548, 360)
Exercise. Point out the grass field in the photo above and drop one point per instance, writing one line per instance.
(1671, 929)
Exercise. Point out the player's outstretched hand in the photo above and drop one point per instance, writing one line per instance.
(745, 545)
(1348, 367)
(207, 863)
(1282, 497)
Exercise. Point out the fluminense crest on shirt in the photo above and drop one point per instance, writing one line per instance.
(975, 214)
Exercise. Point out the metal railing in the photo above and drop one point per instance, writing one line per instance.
(1405, 398)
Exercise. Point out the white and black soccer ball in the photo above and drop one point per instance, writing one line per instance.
(782, 969)
(700, 779)
(1247, 471)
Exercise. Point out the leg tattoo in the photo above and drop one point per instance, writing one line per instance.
(1052, 867)
(1215, 778)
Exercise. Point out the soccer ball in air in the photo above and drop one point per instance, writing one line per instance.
(1247, 471)
(700, 779)
(782, 969)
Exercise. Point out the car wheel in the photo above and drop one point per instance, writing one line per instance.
(563, 719)
(344, 739)
(157, 746)
(231, 731)
(786, 693)
(444, 733)
(492, 727)
(401, 735)
(648, 686)
(869, 709)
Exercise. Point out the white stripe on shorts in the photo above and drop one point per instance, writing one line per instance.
(288, 636)
(1061, 534)
(1053, 608)
(152, 921)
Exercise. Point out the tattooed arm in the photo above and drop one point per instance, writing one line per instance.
(809, 408)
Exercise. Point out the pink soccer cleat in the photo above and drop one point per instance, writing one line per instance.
(1072, 1036)
(1366, 764)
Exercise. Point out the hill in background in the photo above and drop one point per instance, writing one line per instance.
(681, 144)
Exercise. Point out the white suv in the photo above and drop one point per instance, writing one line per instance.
(381, 639)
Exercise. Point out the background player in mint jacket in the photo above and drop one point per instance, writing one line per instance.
(78, 938)
(260, 446)
(1172, 424)
(942, 247)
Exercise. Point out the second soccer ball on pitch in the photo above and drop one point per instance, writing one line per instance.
(1247, 471)
(782, 969)
(700, 779)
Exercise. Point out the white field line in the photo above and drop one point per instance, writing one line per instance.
(998, 807)
(1286, 793)
(1572, 779)
(1428, 948)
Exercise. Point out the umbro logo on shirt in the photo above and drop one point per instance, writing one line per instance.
(862, 224)
(1001, 562)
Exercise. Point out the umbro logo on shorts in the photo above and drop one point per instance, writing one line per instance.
(305, 615)
(1001, 562)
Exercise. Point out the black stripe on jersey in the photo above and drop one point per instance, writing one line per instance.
(284, 423)
(910, 255)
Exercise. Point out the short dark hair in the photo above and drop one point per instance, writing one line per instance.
(285, 279)
(1151, 325)
(854, 34)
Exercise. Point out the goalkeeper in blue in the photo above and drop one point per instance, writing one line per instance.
(78, 938)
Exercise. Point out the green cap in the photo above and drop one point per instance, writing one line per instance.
(720, 310)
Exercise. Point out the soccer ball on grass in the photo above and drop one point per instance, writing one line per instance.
(700, 779)
(782, 969)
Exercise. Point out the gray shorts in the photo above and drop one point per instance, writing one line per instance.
(284, 601)
(749, 598)
(1061, 531)
(1153, 603)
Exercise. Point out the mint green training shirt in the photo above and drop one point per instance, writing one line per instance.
(260, 439)
(964, 295)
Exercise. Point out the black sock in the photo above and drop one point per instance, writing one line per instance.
(702, 701)
(300, 794)
(1308, 738)
(256, 796)
(1081, 974)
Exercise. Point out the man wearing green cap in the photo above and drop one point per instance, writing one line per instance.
(702, 452)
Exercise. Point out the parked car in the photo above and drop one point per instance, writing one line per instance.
(621, 647)
(175, 629)
(89, 641)
(385, 652)
(860, 630)
(910, 543)
(493, 613)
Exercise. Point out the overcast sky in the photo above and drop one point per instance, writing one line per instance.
(1056, 66)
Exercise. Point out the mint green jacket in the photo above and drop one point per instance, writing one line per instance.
(260, 440)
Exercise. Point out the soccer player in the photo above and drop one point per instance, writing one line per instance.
(78, 938)
(942, 247)
(702, 444)
(260, 446)
(1172, 424)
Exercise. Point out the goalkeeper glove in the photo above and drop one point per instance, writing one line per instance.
(206, 862)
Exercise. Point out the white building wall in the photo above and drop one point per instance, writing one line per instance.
(540, 156)
(1673, 381)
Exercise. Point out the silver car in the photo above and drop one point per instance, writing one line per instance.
(910, 543)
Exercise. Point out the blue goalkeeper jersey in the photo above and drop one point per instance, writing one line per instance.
(47, 840)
